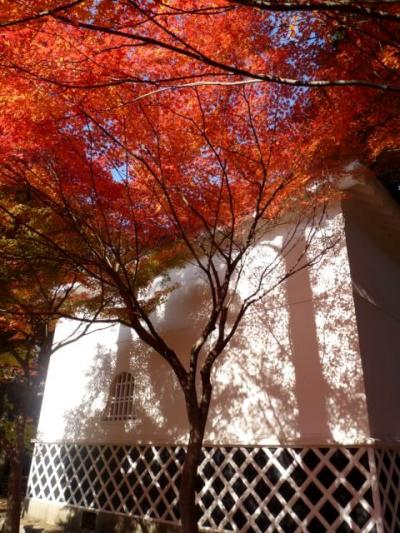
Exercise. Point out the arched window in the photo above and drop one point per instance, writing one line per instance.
(120, 402)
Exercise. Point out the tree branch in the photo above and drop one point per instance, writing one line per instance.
(41, 14)
(344, 7)
(199, 56)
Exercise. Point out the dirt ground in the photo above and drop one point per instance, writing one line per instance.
(29, 525)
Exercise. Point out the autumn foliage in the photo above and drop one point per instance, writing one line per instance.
(151, 132)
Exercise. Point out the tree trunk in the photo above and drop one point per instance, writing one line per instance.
(14, 499)
(197, 415)
(187, 491)
(38, 381)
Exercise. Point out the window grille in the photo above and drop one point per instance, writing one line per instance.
(120, 402)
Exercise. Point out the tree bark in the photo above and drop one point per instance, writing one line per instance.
(14, 499)
(197, 415)
(187, 490)
(38, 382)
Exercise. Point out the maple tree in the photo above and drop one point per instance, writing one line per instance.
(128, 212)
(87, 46)
(296, 40)
(34, 293)
(159, 132)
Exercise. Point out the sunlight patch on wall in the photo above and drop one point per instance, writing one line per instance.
(338, 341)
(76, 372)
(147, 398)
(254, 382)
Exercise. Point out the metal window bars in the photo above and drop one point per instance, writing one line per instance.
(120, 404)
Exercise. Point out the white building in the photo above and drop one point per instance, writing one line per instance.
(304, 427)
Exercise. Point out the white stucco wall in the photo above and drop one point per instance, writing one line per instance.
(291, 375)
(373, 236)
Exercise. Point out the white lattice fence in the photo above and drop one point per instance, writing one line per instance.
(388, 472)
(240, 489)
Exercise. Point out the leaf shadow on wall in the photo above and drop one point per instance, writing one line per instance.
(293, 374)
(160, 416)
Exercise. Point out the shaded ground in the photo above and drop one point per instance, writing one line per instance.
(37, 526)
(31, 526)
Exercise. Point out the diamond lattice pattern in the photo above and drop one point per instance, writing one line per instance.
(388, 473)
(240, 489)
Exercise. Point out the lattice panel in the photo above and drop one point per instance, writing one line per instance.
(388, 472)
(240, 489)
